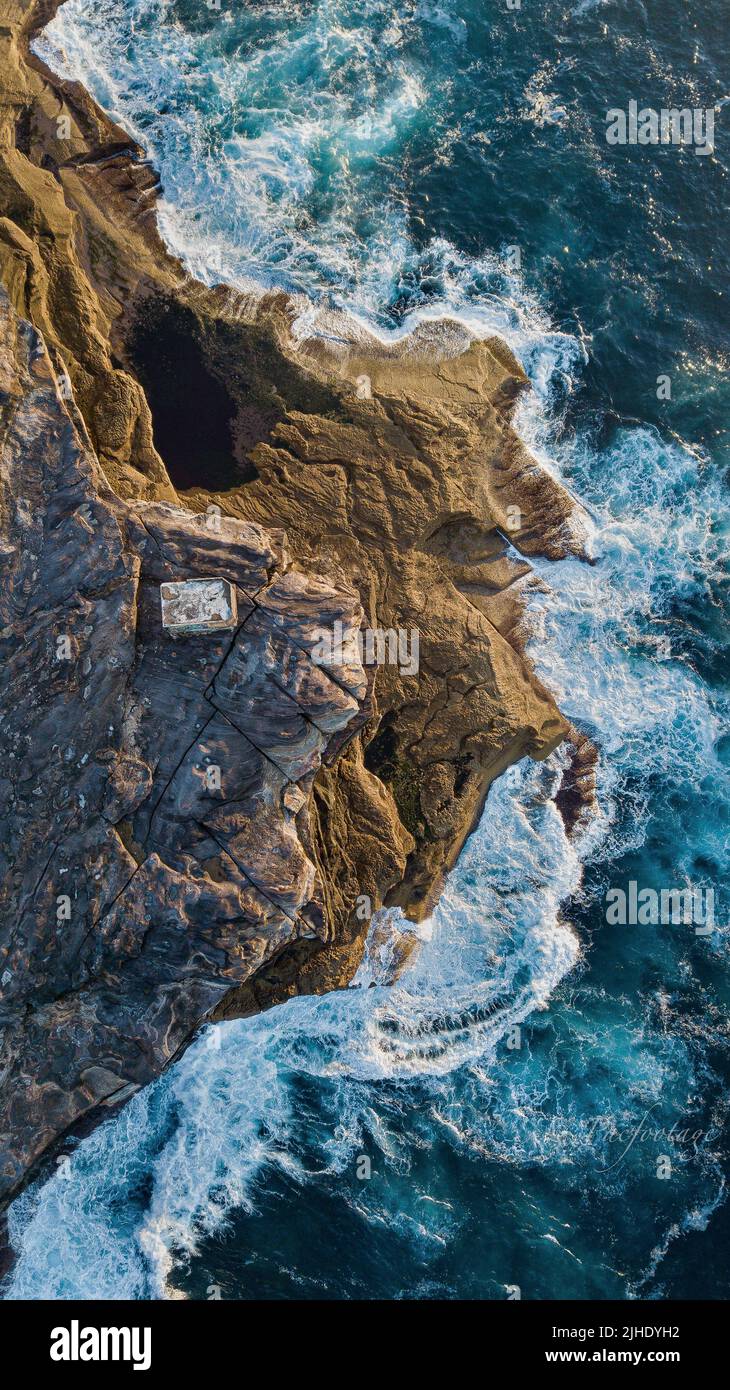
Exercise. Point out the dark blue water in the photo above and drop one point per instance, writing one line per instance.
(383, 161)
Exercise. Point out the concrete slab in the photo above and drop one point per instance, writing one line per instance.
(198, 605)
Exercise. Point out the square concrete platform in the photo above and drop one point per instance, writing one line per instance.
(198, 605)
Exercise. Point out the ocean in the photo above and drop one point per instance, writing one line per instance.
(538, 1108)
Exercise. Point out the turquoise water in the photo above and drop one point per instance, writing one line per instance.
(383, 160)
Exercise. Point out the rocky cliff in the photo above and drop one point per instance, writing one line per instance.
(192, 824)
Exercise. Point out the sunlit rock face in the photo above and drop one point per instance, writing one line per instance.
(157, 765)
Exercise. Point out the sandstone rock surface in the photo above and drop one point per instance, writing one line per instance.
(155, 824)
(189, 823)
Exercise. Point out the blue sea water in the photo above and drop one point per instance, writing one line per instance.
(382, 159)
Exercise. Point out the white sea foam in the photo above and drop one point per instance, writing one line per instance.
(242, 144)
(205, 1132)
(697, 1218)
(139, 1194)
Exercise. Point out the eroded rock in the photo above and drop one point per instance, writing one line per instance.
(152, 789)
